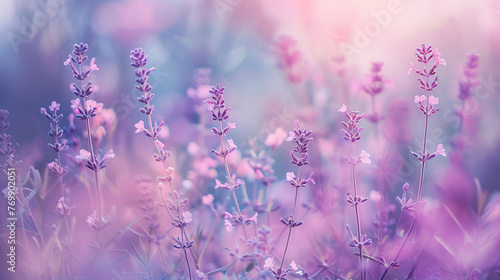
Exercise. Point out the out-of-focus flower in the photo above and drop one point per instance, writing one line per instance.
(268, 263)
(275, 139)
(365, 157)
(207, 199)
(228, 225)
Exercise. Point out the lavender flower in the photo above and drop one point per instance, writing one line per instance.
(56, 132)
(352, 133)
(139, 61)
(351, 130)
(374, 83)
(299, 154)
(85, 109)
(471, 74)
(220, 112)
(7, 148)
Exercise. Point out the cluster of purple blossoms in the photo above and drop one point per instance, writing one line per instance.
(374, 83)
(85, 109)
(299, 154)
(57, 132)
(139, 61)
(471, 77)
(426, 104)
(351, 130)
(219, 111)
(7, 148)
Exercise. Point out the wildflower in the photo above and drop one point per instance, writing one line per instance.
(228, 225)
(365, 157)
(275, 139)
(301, 138)
(351, 129)
(139, 127)
(269, 263)
(440, 150)
(207, 199)
(293, 266)
(202, 275)
(62, 208)
(471, 77)
(358, 242)
(187, 217)
(433, 100)
(425, 55)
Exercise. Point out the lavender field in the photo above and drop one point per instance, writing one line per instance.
(249, 139)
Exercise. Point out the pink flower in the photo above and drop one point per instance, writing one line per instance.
(290, 176)
(207, 199)
(84, 155)
(170, 172)
(433, 100)
(109, 155)
(275, 139)
(269, 263)
(228, 225)
(67, 61)
(419, 99)
(437, 55)
(93, 66)
(343, 109)
(440, 150)
(231, 144)
(54, 106)
(365, 157)
(75, 104)
(187, 217)
(159, 144)
(218, 184)
(139, 127)
(230, 125)
(202, 275)
(406, 186)
(254, 218)
(412, 69)
(293, 266)
(375, 196)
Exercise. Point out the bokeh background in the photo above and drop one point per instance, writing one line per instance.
(335, 43)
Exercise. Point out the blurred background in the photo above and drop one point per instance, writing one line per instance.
(279, 61)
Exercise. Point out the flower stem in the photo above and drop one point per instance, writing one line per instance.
(292, 218)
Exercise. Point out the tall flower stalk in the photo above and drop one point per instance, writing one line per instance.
(352, 133)
(430, 57)
(85, 109)
(56, 166)
(300, 157)
(219, 111)
(175, 202)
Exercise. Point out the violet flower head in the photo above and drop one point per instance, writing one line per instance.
(7, 148)
(217, 104)
(351, 130)
(374, 83)
(140, 59)
(471, 76)
(301, 138)
(425, 55)
(56, 132)
(79, 73)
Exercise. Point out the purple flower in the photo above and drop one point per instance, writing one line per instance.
(374, 83)
(425, 56)
(217, 104)
(471, 76)
(140, 59)
(301, 138)
(358, 242)
(351, 129)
